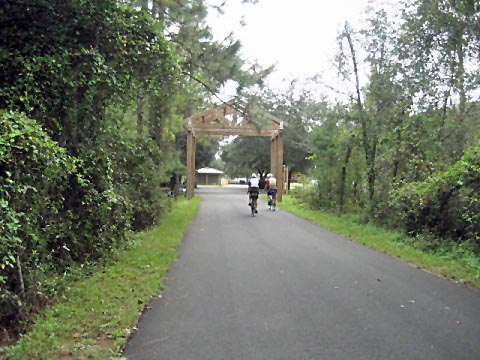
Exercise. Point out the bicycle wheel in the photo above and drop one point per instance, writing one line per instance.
(254, 203)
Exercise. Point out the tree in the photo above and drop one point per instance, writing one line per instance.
(206, 65)
(298, 111)
(337, 160)
(71, 73)
(245, 155)
(368, 134)
(440, 62)
(413, 117)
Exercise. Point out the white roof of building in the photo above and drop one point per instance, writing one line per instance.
(207, 170)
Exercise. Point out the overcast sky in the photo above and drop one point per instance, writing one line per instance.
(299, 36)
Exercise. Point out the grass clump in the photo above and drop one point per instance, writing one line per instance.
(457, 261)
(94, 317)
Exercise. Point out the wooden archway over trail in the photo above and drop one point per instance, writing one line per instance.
(235, 118)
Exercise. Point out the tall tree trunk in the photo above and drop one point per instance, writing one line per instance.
(462, 107)
(158, 10)
(289, 182)
(343, 177)
(369, 150)
(372, 173)
(157, 131)
(140, 109)
(155, 120)
(398, 144)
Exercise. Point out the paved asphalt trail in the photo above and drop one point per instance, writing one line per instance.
(280, 287)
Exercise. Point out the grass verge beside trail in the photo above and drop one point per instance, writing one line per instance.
(461, 266)
(98, 313)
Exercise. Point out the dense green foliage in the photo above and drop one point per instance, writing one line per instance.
(65, 199)
(445, 205)
(34, 170)
(97, 313)
(402, 149)
(92, 98)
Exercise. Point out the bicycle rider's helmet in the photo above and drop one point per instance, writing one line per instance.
(269, 175)
(254, 175)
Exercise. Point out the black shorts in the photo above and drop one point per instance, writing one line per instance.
(254, 193)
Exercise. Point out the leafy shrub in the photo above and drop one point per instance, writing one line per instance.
(54, 215)
(34, 173)
(64, 198)
(446, 205)
(137, 176)
(95, 215)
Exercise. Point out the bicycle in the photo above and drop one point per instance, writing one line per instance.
(272, 199)
(253, 203)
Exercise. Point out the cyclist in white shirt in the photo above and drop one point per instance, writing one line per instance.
(253, 190)
(271, 187)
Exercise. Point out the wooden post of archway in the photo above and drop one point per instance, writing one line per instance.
(276, 161)
(285, 179)
(234, 119)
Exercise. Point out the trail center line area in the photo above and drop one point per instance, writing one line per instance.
(276, 286)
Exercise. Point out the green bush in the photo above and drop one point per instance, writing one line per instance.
(137, 175)
(95, 215)
(34, 173)
(446, 205)
(54, 215)
(71, 184)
